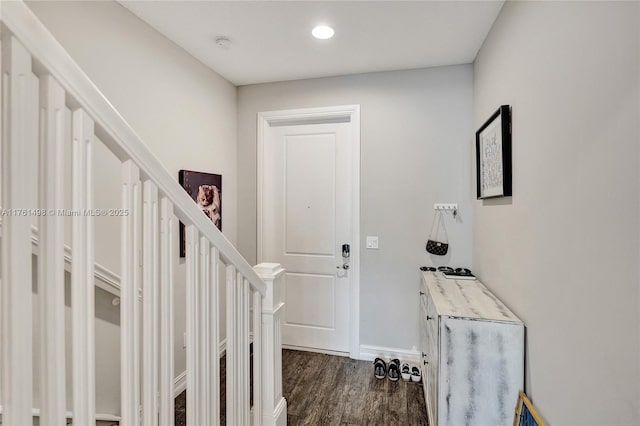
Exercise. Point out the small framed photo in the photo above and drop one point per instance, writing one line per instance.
(206, 190)
(493, 155)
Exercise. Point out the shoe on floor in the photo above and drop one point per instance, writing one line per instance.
(405, 371)
(393, 372)
(379, 368)
(416, 376)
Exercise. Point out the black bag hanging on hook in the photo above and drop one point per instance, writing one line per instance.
(434, 246)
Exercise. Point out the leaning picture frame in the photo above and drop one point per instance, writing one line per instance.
(493, 155)
(526, 414)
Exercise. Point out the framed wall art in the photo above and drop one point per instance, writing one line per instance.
(206, 190)
(493, 155)
(526, 414)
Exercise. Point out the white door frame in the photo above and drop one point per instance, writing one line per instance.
(319, 115)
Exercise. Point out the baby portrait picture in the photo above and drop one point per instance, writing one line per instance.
(206, 190)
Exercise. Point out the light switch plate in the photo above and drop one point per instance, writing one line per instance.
(372, 242)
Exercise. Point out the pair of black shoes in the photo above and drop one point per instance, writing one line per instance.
(382, 370)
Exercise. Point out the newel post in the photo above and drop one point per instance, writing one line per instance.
(273, 403)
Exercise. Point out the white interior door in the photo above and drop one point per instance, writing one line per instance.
(306, 218)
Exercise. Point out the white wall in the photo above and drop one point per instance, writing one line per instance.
(563, 251)
(415, 132)
(107, 325)
(184, 112)
(107, 316)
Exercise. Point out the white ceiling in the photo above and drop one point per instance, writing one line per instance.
(271, 40)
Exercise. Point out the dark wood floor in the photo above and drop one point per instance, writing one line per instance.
(330, 390)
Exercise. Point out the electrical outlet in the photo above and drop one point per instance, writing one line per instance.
(372, 242)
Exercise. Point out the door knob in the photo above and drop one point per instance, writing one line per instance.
(344, 266)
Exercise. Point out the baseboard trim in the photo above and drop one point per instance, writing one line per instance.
(222, 347)
(35, 412)
(316, 350)
(369, 353)
(279, 415)
(180, 382)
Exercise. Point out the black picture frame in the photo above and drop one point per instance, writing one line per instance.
(206, 191)
(493, 156)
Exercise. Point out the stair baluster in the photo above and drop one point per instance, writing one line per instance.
(18, 172)
(129, 285)
(167, 244)
(82, 274)
(214, 324)
(150, 322)
(51, 254)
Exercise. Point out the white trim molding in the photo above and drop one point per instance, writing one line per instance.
(180, 382)
(279, 417)
(342, 113)
(369, 353)
(107, 280)
(316, 350)
(100, 417)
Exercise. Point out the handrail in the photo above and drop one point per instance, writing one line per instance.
(112, 129)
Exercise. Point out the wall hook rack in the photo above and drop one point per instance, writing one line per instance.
(447, 207)
(451, 206)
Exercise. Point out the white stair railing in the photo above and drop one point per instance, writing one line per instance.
(35, 66)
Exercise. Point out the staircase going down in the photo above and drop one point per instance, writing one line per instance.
(43, 89)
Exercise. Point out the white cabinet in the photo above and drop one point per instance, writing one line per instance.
(472, 351)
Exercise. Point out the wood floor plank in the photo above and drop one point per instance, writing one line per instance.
(395, 412)
(293, 420)
(416, 408)
(294, 367)
(377, 385)
(356, 392)
(334, 406)
(374, 407)
(326, 406)
(304, 392)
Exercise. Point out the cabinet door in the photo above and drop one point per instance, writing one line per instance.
(431, 368)
(482, 371)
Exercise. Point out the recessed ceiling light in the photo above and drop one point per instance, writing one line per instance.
(322, 32)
